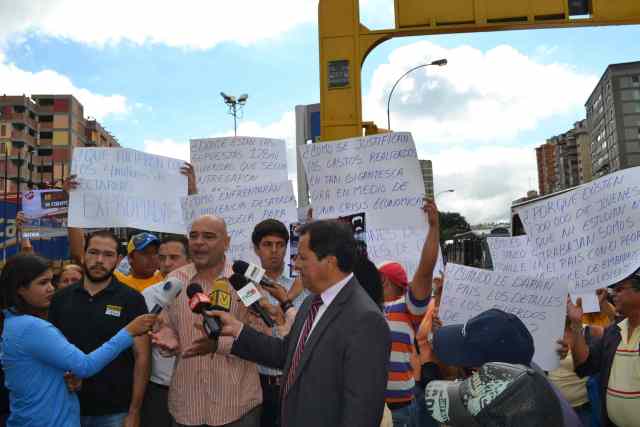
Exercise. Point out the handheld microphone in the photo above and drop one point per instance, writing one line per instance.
(169, 292)
(220, 297)
(250, 297)
(253, 273)
(199, 303)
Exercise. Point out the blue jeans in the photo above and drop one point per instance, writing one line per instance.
(112, 420)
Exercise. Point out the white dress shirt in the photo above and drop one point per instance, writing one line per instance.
(328, 296)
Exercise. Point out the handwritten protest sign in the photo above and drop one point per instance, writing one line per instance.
(539, 303)
(517, 255)
(242, 208)
(402, 244)
(512, 254)
(377, 174)
(121, 187)
(237, 161)
(589, 236)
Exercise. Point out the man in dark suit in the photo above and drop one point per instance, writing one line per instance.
(335, 358)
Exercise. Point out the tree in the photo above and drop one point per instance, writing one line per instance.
(452, 223)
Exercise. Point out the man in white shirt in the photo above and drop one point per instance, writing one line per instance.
(173, 253)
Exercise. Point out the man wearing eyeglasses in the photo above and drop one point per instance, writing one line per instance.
(616, 356)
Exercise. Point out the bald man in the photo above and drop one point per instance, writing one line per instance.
(209, 387)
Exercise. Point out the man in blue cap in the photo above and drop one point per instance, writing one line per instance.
(142, 252)
(491, 336)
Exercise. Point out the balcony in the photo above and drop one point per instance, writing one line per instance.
(23, 136)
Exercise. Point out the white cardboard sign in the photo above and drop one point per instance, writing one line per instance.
(237, 161)
(121, 187)
(589, 236)
(377, 174)
(516, 255)
(539, 303)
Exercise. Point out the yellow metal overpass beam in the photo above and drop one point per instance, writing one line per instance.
(345, 42)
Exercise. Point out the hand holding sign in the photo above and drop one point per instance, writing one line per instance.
(574, 311)
(188, 171)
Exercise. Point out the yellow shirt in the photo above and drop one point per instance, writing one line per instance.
(139, 284)
(572, 387)
(623, 390)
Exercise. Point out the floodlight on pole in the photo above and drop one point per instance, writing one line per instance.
(235, 107)
(439, 63)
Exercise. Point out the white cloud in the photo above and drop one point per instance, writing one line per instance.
(15, 81)
(194, 24)
(377, 14)
(479, 97)
(168, 148)
(486, 179)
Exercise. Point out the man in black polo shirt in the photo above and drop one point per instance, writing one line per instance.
(88, 313)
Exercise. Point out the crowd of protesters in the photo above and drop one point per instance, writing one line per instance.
(352, 343)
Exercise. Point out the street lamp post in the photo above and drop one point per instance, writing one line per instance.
(439, 63)
(235, 107)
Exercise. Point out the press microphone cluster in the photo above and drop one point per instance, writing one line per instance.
(170, 291)
(220, 299)
(250, 296)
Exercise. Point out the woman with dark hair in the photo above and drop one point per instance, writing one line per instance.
(35, 355)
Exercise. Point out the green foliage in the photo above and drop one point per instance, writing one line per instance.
(452, 223)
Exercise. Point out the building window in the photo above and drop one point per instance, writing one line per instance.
(635, 80)
(3, 130)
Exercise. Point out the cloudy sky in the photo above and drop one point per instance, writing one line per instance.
(151, 72)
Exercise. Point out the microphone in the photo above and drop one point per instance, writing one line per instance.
(250, 295)
(199, 303)
(253, 273)
(169, 292)
(220, 298)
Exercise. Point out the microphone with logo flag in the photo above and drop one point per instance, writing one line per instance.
(250, 297)
(254, 273)
(199, 303)
(168, 292)
(220, 296)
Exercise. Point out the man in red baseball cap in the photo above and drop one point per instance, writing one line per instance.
(405, 304)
